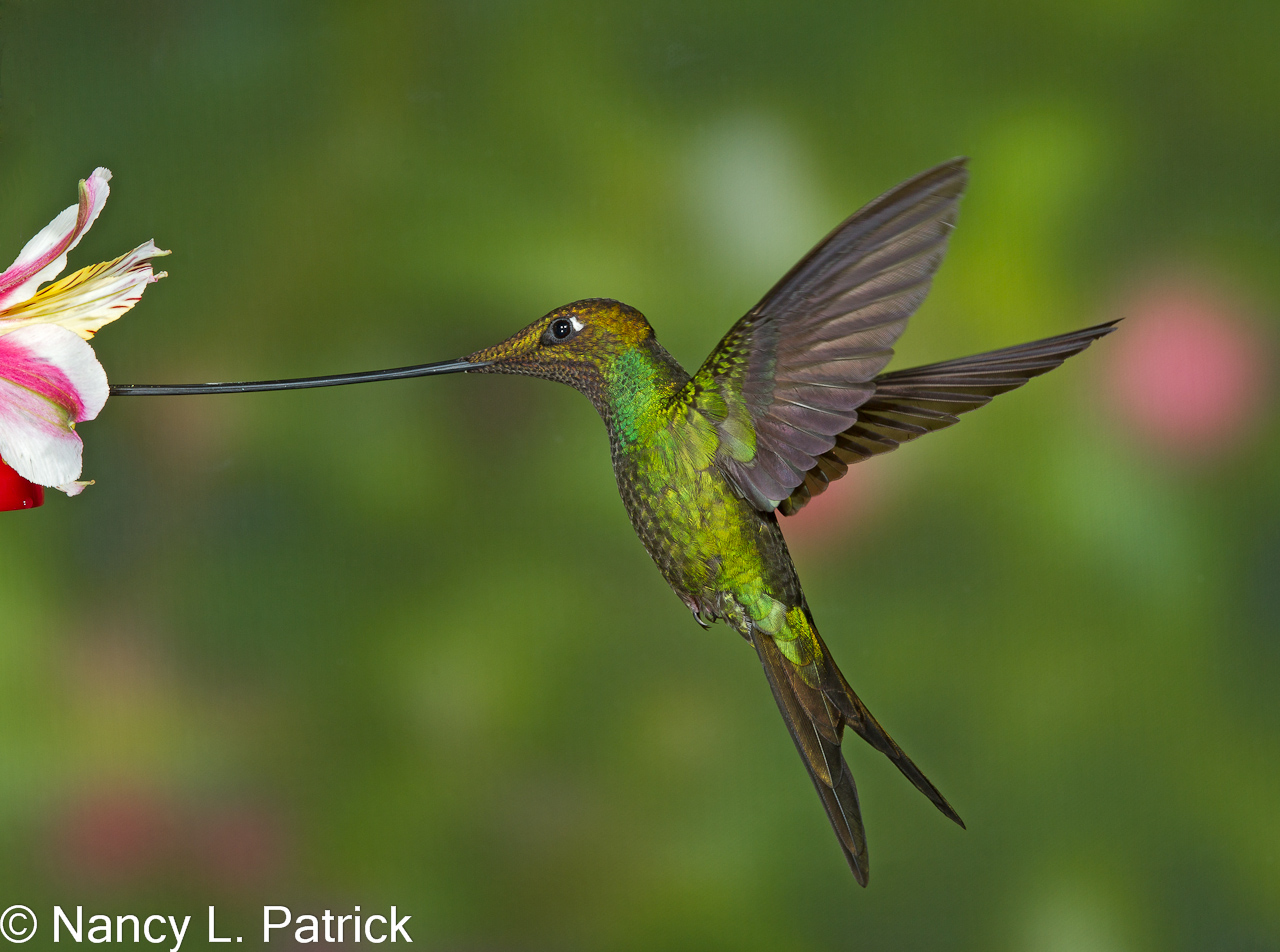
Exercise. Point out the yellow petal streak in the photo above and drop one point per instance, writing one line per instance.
(90, 298)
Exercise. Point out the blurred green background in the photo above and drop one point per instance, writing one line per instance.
(398, 643)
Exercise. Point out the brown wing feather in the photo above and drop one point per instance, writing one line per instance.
(911, 403)
(791, 374)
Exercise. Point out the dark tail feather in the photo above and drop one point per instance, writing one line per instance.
(854, 713)
(816, 702)
(827, 768)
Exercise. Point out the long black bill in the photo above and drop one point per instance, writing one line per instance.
(297, 383)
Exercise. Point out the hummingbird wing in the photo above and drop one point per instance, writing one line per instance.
(909, 403)
(791, 374)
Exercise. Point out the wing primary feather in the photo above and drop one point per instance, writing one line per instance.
(940, 184)
(910, 403)
(832, 322)
(1056, 349)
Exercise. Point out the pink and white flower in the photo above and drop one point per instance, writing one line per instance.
(50, 379)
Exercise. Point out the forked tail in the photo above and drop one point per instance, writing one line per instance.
(816, 702)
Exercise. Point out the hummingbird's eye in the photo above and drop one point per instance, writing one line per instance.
(562, 328)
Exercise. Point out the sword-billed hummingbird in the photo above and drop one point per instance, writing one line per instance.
(792, 395)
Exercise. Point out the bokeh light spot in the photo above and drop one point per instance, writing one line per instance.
(1188, 371)
(831, 516)
(114, 835)
(239, 845)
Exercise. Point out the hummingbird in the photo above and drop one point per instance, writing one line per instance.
(792, 396)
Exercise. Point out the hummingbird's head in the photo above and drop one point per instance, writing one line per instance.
(578, 344)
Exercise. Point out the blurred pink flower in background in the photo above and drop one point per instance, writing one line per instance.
(119, 834)
(133, 811)
(832, 515)
(114, 835)
(240, 845)
(1188, 373)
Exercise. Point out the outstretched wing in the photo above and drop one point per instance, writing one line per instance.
(791, 374)
(910, 403)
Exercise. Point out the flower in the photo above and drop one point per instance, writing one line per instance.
(50, 379)
(1191, 375)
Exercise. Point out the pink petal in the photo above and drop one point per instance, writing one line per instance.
(45, 255)
(49, 381)
(91, 297)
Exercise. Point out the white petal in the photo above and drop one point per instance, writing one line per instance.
(44, 256)
(75, 487)
(89, 298)
(49, 381)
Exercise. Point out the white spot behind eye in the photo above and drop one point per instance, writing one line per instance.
(577, 324)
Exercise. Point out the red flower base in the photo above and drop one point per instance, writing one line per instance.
(16, 492)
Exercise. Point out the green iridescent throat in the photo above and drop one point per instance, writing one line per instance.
(638, 387)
